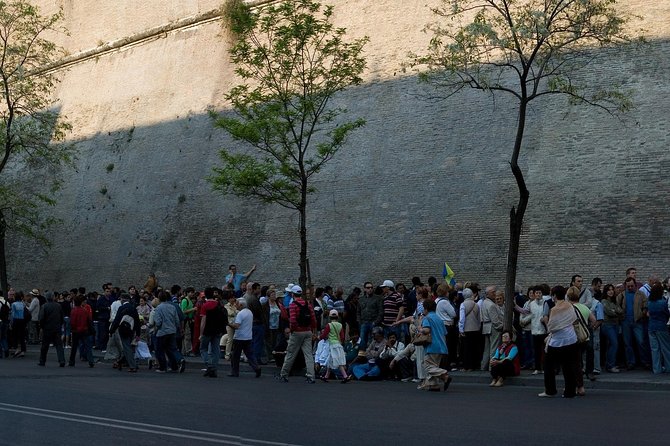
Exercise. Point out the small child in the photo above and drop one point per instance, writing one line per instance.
(334, 333)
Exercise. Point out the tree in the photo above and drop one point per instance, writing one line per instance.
(30, 131)
(528, 49)
(293, 61)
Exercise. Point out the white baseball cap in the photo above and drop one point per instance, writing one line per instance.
(388, 284)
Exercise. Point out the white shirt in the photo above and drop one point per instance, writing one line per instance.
(113, 309)
(246, 319)
(445, 311)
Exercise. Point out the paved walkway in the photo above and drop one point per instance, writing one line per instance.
(626, 380)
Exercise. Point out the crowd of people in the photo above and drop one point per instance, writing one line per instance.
(415, 333)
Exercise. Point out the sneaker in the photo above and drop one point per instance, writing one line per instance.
(282, 379)
(309, 380)
(416, 380)
(182, 365)
(614, 370)
(406, 380)
(160, 371)
(545, 395)
(536, 372)
(596, 372)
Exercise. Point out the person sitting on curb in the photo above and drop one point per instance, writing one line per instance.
(505, 361)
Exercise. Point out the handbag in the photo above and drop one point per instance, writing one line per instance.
(421, 339)
(581, 329)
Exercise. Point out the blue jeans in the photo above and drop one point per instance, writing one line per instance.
(660, 350)
(258, 342)
(528, 357)
(102, 333)
(635, 331)
(82, 340)
(609, 331)
(210, 351)
(366, 334)
(166, 345)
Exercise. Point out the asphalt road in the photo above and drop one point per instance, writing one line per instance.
(102, 406)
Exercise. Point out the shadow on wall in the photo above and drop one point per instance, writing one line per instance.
(422, 183)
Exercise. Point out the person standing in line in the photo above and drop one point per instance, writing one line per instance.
(610, 328)
(213, 321)
(51, 320)
(80, 322)
(235, 279)
(166, 322)
(20, 317)
(562, 347)
(659, 337)
(369, 315)
(303, 326)
(33, 321)
(5, 313)
(231, 309)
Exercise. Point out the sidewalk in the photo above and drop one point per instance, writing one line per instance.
(626, 380)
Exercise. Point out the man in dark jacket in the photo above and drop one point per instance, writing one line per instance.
(51, 320)
(127, 321)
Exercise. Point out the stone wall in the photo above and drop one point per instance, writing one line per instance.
(421, 183)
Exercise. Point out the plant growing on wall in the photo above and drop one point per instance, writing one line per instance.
(527, 49)
(30, 132)
(293, 61)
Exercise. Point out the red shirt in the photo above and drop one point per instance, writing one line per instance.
(293, 314)
(79, 319)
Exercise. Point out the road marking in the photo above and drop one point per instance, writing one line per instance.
(211, 437)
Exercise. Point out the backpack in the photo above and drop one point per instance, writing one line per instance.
(304, 318)
(4, 312)
(126, 326)
(216, 321)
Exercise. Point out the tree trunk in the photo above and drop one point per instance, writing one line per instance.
(3, 260)
(303, 237)
(515, 221)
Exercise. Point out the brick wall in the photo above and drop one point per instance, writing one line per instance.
(421, 183)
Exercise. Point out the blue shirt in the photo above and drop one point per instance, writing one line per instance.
(658, 315)
(630, 310)
(17, 310)
(237, 280)
(598, 311)
(438, 334)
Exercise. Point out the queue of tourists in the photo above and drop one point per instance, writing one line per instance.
(417, 333)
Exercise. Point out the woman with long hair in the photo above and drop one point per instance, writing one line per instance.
(659, 338)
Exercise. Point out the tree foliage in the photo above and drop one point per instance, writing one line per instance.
(292, 61)
(527, 49)
(32, 151)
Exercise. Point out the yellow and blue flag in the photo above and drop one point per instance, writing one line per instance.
(448, 274)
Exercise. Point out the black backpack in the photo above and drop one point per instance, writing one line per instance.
(304, 318)
(4, 312)
(216, 321)
(127, 326)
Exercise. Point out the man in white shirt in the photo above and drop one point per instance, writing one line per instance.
(243, 326)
